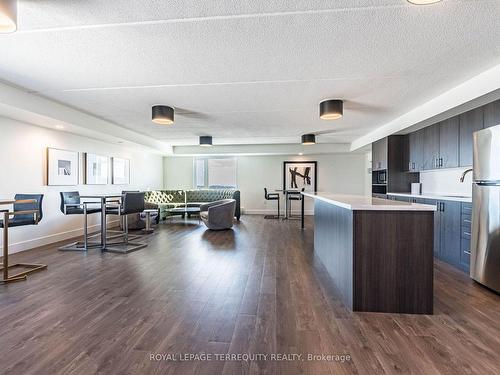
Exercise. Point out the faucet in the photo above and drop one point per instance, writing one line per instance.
(464, 174)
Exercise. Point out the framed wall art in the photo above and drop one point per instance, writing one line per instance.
(120, 171)
(96, 169)
(62, 167)
(300, 175)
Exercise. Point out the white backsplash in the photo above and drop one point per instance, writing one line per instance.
(446, 182)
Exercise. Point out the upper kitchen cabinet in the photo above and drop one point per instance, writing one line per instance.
(492, 114)
(431, 147)
(470, 122)
(416, 151)
(379, 154)
(449, 140)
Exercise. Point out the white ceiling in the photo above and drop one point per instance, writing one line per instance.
(248, 71)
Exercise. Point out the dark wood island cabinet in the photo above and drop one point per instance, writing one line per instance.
(378, 252)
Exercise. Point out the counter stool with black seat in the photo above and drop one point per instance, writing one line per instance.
(293, 196)
(27, 210)
(132, 203)
(71, 204)
(272, 197)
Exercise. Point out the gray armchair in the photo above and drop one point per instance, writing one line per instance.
(218, 215)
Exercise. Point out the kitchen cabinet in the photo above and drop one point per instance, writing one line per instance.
(447, 231)
(379, 154)
(437, 225)
(431, 147)
(450, 225)
(449, 139)
(470, 122)
(466, 230)
(492, 114)
(416, 151)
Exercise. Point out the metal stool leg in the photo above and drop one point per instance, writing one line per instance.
(86, 244)
(20, 276)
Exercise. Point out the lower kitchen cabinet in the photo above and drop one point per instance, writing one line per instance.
(448, 233)
(466, 231)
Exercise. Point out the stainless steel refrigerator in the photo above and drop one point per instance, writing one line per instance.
(485, 242)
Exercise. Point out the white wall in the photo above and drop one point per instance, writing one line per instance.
(446, 182)
(178, 173)
(22, 170)
(339, 173)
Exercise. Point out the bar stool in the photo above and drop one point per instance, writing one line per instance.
(272, 197)
(294, 196)
(27, 211)
(72, 205)
(132, 203)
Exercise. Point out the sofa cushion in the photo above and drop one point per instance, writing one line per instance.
(165, 196)
(208, 195)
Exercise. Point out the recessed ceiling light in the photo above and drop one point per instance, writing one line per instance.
(8, 16)
(206, 140)
(308, 139)
(331, 109)
(423, 2)
(163, 115)
(301, 153)
(60, 127)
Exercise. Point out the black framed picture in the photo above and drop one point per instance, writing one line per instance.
(300, 175)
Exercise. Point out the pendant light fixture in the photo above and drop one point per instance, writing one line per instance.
(8, 16)
(308, 139)
(423, 2)
(331, 109)
(163, 115)
(206, 140)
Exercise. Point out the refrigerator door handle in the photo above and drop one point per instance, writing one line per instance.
(487, 182)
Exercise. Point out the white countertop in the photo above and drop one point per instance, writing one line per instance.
(365, 203)
(443, 197)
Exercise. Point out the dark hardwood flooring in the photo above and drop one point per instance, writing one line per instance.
(257, 289)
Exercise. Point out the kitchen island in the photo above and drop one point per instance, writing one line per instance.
(378, 252)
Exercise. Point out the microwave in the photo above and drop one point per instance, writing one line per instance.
(382, 177)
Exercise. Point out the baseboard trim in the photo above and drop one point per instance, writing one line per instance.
(55, 237)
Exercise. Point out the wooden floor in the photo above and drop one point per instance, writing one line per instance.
(254, 290)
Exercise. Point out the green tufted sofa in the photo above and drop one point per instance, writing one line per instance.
(168, 199)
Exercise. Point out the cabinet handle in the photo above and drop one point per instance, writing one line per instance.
(409, 166)
(441, 204)
(467, 220)
(467, 252)
(413, 166)
(467, 233)
(441, 162)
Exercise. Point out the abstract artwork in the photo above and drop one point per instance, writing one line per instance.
(121, 171)
(62, 167)
(299, 175)
(96, 169)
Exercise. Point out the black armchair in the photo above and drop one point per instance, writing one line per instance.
(272, 197)
(131, 203)
(71, 204)
(293, 196)
(27, 210)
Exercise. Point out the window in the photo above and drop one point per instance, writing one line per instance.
(199, 173)
(215, 173)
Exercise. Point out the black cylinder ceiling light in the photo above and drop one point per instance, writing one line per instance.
(163, 115)
(206, 140)
(8, 16)
(331, 109)
(308, 139)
